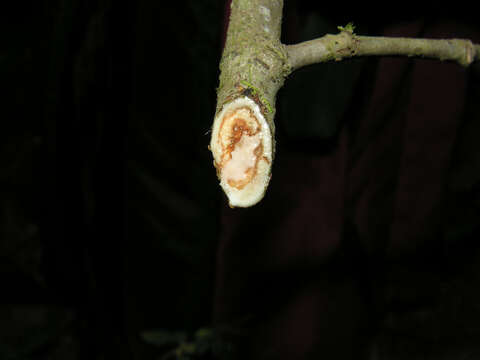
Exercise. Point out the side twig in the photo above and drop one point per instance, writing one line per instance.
(347, 44)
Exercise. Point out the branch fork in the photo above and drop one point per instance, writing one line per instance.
(254, 67)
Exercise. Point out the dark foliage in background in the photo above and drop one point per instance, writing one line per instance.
(98, 243)
(110, 214)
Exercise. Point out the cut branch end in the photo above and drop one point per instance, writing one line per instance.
(242, 150)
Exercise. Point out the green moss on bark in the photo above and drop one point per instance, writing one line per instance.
(259, 65)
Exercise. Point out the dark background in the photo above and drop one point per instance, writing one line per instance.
(112, 221)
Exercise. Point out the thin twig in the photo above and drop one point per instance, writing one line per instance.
(346, 44)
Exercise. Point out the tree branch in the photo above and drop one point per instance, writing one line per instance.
(253, 68)
(346, 44)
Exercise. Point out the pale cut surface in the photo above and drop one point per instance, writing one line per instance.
(242, 150)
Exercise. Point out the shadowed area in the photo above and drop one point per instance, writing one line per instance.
(116, 241)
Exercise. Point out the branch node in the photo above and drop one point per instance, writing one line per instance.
(349, 28)
(469, 54)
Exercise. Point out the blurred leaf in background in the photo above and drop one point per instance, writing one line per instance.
(37, 332)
